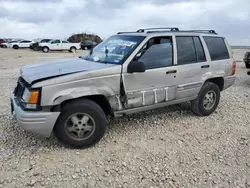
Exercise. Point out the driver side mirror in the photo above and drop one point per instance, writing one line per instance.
(136, 66)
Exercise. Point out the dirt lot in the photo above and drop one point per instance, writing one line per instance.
(168, 147)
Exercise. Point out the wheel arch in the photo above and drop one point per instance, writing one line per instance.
(219, 81)
(101, 100)
(46, 47)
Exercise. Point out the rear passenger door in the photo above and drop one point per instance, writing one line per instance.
(221, 62)
(65, 45)
(25, 44)
(191, 66)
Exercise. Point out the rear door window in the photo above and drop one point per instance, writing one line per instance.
(199, 50)
(185, 50)
(217, 48)
(55, 41)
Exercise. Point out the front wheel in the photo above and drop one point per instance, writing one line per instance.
(36, 48)
(81, 124)
(207, 100)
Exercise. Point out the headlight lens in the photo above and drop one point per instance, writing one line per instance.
(30, 98)
(26, 95)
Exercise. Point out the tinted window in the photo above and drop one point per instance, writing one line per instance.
(199, 50)
(64, 41)
(185, 50)
(25, 41)
(45, 40)
(217, 48)
(247, 55)
(55, 41)
(157, 53)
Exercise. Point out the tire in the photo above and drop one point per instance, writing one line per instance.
(198, 105)
(85, 48)
(247, 65)
(72, 49)
(15, 47)
(83, 107)
(36, 48)
(45, 49)
(4, 46)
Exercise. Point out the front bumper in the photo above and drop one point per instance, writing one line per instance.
(40, 123)
(229, 81)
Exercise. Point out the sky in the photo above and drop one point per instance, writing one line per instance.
(32, 19)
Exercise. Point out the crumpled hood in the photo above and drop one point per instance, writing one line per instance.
(41, 71)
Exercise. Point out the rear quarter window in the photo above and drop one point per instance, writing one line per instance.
(217, 48)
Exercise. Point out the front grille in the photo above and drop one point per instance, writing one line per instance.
(18, 92)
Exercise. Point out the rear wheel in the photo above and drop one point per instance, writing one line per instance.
(72, 49)
(15, 47)
(45, 49)
(85, 48)
(207, 100)
(81, 124)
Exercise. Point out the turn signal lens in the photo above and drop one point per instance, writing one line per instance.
(234, 68)
(34, 97)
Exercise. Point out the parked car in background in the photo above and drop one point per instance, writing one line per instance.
(35, 46)
(59, 45)
(247, 59)
(129, 72)
(87, 44)
(2, 41)
(8, 44)
(21, 44)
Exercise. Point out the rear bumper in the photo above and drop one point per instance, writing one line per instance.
(40, 123)
(229, 81)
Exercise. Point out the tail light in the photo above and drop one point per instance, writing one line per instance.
(234, 68)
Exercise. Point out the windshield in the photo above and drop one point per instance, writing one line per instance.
(115, 49)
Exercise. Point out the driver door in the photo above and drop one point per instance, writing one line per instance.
(158, 83)
(56, 45)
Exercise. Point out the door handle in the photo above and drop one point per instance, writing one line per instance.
(171, 72)
(205, 66)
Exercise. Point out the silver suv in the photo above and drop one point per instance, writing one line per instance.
(127, 73)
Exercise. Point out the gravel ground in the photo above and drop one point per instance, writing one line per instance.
(168, 147)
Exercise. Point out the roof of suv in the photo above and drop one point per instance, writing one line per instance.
(164, 30)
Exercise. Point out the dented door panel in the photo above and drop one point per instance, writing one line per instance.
(150, 97)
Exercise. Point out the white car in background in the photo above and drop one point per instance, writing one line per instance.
(21, 44)
(59, 45)
(8, 44)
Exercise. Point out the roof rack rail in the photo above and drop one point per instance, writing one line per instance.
(126, 32)
(156, 28)
(167, 29)
(203, 31)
